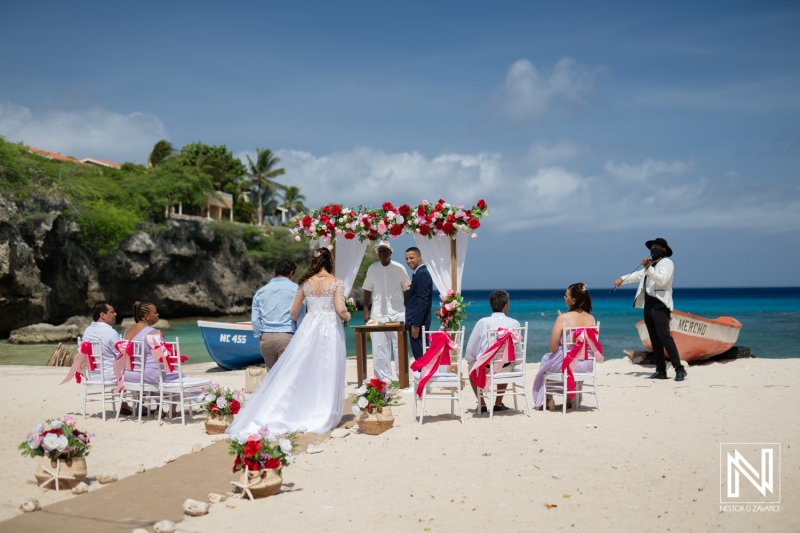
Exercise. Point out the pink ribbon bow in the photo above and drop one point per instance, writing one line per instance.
(506, 339)
(586, 339)
(83, 357)
(437, 354)
(163, 352)
(124, 361)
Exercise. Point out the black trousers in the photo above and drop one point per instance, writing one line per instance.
(656, 318)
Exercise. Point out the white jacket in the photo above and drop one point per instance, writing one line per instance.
(659, 284)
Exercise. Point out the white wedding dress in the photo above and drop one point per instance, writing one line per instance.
(304, 391)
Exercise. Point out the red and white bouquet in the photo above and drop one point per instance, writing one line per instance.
(56, 439)
(219, 400)
(452, 310)
(374, 394)
(444, 219)
(262, 450)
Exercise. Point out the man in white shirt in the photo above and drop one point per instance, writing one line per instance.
(655, 296)
(479, 340)
(103, 318)
(385, 289)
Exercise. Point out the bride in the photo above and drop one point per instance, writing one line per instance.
(304, 391)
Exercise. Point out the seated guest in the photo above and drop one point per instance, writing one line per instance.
(479, 340)
(579, 303)
(146, 315)
(101, 330)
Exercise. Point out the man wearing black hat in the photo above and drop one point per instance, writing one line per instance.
(655, 295)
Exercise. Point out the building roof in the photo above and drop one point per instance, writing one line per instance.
(224, 201)
(52, 155)
(100, 162)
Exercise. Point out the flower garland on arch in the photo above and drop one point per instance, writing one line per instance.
(427, 219)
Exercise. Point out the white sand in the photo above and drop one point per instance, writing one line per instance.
(652, 462)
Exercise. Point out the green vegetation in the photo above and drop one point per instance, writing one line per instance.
(111, 204)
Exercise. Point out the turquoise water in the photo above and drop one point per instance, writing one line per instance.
(770, 320)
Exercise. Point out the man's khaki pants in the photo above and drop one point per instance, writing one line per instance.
(272, 346)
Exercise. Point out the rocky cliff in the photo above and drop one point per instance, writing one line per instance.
(182, 266)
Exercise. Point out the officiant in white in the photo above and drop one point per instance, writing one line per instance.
(385, 289)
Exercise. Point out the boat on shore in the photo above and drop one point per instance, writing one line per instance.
(231, 344)
(697, 337)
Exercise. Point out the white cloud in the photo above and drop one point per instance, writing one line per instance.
(93, 132)
(648, 169)
(527, 94)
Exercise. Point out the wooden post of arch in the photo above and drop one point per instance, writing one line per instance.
(333, 256)
(453, 266)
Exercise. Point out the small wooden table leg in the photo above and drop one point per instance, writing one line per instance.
(361, 357)
(402, 349)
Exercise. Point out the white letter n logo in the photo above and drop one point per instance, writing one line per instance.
(738, 464)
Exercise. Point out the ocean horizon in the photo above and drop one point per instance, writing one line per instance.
(770, 318)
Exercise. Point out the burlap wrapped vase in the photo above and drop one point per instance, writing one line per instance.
(253, 376)
(60, 474)
(262, 483)
(217, 423)
(375, 421)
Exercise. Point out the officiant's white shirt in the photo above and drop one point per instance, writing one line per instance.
(479, 340)
(387, 285)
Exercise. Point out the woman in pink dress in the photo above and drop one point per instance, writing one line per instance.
(579, 303)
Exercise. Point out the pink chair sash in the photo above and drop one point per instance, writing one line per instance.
(586, 339)
(437, 354)
(124, 361)
(163, 352)
(83, 357)
(506, 339)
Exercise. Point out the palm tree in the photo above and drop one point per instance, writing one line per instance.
(293, 200)
(161, 151)
(262, 172)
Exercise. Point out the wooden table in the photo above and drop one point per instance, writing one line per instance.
(402, 350)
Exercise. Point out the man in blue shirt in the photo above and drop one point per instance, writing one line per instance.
(272, 317)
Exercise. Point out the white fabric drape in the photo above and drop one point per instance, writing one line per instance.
(349, 254)
(436, 255)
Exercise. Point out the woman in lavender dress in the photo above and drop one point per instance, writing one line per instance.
(579, 303)
(146, 315)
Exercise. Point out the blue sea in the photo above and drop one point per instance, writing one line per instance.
(770, 320)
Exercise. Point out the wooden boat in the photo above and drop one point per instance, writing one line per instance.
(697, 337)
(231, 344)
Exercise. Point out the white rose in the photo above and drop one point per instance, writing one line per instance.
(399, 219)
(362, 402)
(356, 410)
(289, 459)
(56, 424)
(271, 438)
(50, 442)
(241, 438)
(63, 442)
(361, 390)
(286, 446)
(209, 398)
(39, 428)
(222, 402)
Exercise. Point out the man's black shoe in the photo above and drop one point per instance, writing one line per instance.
(500, 408)
(658, 375)
(680, 374)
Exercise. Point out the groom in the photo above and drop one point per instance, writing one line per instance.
(418, 301)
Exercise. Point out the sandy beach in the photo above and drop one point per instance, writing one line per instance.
(650, 460)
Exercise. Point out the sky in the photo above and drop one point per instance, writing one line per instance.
(588, 127)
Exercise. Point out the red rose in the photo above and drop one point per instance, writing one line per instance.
(387, 206)
(352, 213)
(323, 233)
(404, 210)
(421, 210)
(439, 225)
(235, 406)
(481, 205)
(448, 228)
(474, 223)
(468, 213)
(441, 201)
(324, 219)
(349, 235)
(336, 210)
(451, 218)
(424, 230)
(273, 463)
(378, 384)
(251, 464)
(307, 221)
(372, 237)
(326, 209)
(438, 207)
(252, 448)
(331, 227)
(213, 408)
(237, 463)
(396, 230)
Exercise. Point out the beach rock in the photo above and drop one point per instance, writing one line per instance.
(164, 526)
(140, 530)
(105, 479)
(170, 459)
(80, 488)
(313, 448)
(44, 334)
(220, 438)
(231, 504)
(340, 433)
(82, 322)
(197, 448)
(29, 506)
(195, 508)
(140, 469)
(213, 497)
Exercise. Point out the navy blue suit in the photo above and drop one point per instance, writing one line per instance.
(418, 306)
